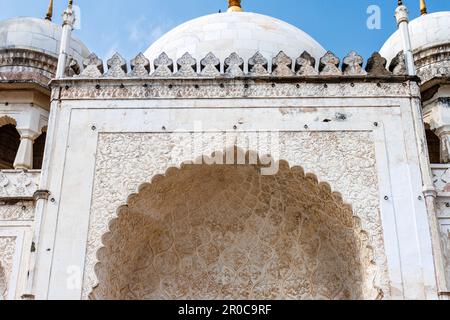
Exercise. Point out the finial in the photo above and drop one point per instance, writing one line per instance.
(423, 7)
(49, 11)
(234, 6)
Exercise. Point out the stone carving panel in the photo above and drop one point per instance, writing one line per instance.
(346, 160)
(213, 89)
(21, 211)
(15, 184)
(7, 248)
(441, 178)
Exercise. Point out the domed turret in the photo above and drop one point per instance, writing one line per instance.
(430, 40)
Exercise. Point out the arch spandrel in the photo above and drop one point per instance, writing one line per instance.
(228, 232)
(118, 172)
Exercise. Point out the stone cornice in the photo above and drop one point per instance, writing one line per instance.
(229, 88)
(23, 65)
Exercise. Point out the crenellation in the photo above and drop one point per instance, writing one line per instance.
(117, 67)
(305, 65)
(234, 66)
(93, 67)
(352, 64)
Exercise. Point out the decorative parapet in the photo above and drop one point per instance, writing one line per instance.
(209, 67)
(210, 78)
(18, 185)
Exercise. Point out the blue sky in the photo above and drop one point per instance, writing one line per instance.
(130, 26)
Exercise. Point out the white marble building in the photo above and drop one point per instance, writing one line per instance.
(235, 159)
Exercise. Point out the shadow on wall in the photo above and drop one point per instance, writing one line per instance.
(9, 144)
(228, 232)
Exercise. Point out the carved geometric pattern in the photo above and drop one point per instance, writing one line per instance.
(163, 66)
(210, 65)
(357, 180)
(234, 65)
(7, 248)
(187, 66)
(93, 67)
(258, 65)
(235, 89)
(234, 234)
(329, 65)
(282, 65)
(305, 65)
(441, 179)
(352, 64)
(140, 66)
(376, 65)
(21, 211)
(117, 67)
(18, 183)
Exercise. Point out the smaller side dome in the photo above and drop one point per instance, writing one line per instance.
(29, 50)
(427, 31)
(37, 35)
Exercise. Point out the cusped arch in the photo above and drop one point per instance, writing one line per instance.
(203, 231)
(5, 120)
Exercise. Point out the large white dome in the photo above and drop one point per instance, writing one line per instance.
(241, 32)
(426, 31)
(38, 35)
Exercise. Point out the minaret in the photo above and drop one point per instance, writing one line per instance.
(401, 14)
(234, 6)
(49, 15)
(423, 7)
(66, 36)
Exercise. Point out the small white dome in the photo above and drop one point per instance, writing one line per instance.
(426, 31)
(241, 32)
(38, 35)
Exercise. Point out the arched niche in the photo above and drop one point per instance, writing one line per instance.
(229, 232)
(9, 142)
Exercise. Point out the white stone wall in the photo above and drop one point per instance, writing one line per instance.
(126, 135)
